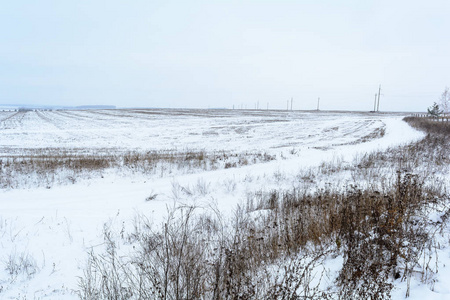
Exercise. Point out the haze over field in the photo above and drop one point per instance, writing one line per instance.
(224, 53)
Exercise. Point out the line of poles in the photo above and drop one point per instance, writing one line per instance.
(290, 103)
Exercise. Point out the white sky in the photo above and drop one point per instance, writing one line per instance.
(222, 53)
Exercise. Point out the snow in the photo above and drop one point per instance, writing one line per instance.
(58, 226)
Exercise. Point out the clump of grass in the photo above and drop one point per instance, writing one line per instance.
(20, 264)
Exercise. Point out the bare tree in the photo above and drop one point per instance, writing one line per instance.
(445, 101)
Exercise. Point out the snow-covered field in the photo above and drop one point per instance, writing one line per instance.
(51, 230)
(183, 129)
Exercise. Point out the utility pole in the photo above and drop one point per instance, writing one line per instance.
(292, 100)
(379, 93)
(318, 102)
(375, 104)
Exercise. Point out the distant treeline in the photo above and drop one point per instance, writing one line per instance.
(96, 107)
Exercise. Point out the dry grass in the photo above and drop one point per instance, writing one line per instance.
(199, 255)
(429, 125)
(48, 167)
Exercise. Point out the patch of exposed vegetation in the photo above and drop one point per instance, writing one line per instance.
(48, 167)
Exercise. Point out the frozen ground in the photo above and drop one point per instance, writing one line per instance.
(53, 229)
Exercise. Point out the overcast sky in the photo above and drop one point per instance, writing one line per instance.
(214, 54)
